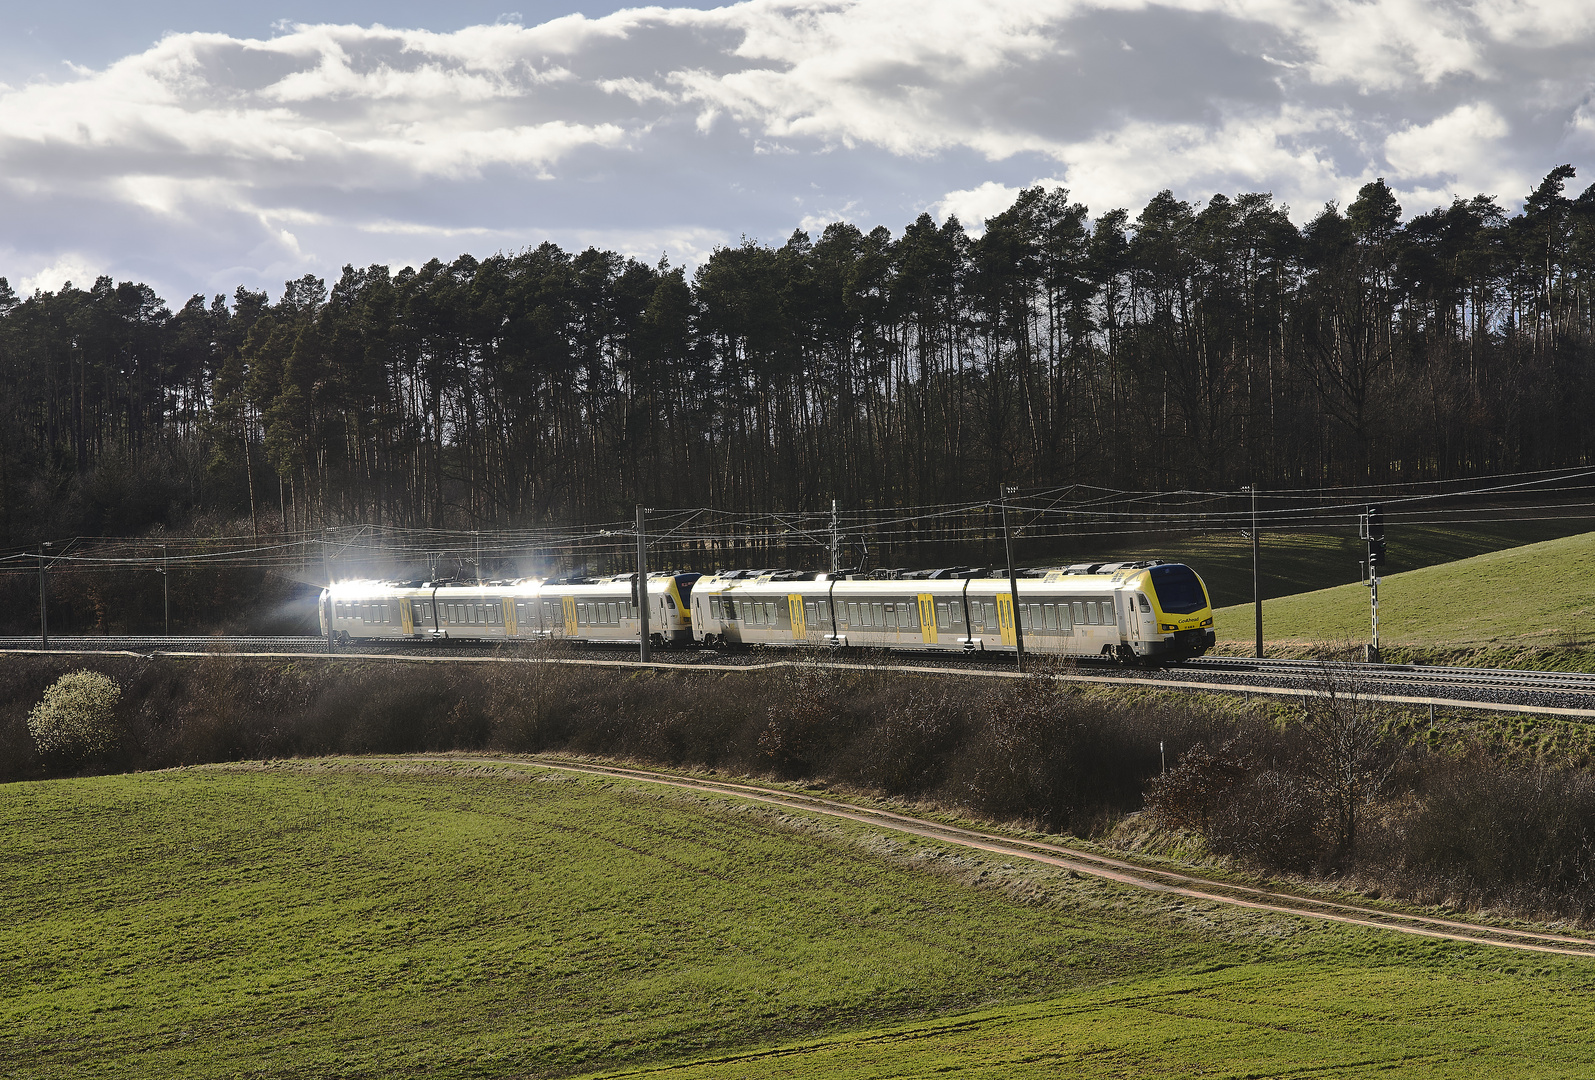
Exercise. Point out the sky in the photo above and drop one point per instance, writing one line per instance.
(200, 147)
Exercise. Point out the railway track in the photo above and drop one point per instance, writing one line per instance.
(1569, 693)
(1574, 681)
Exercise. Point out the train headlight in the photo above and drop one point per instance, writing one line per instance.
(1208, 621)
(1167, 628)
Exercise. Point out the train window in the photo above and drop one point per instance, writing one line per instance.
(852, 615)
(955, 611)
(1146, 608)
(879, 612)
(1050, 614)
(1079, 613)
(991, 615)
(810, 611)
(1093, 612)
(1063, 617)
(670, 601)
(1024, 616)
(942, 615)
(581, 614)
(714, 607)
(891, 617)
(910, 613)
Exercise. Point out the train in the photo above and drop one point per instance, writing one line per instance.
(1142, 612)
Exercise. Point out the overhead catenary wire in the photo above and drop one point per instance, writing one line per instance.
(1074, 511)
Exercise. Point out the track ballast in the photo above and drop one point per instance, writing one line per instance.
(1571, 692)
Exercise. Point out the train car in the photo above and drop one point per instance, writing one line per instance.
(1137, 611)
(604, 609)
(586, 609)
(426, 611)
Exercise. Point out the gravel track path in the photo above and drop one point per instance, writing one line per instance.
(1083, 862)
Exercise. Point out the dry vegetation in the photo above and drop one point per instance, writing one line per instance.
(1460, 812)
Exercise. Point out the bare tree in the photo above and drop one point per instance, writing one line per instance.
(1349, 753)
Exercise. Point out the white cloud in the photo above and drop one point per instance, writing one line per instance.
(1462, 139)
(72, 268)
(678, 126)
(972, 206)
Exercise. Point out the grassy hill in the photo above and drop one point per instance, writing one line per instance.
(1537, 594)
(1296, 562)
(368, 920)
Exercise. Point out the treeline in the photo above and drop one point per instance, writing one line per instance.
(1188, 346)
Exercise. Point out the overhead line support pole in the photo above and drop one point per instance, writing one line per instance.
(642, 585)
(1013, 581)
(1257, 589)
(44, 602)
(326, 572)
(836, 541)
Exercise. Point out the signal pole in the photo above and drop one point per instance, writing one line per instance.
(1373, 531)
(640, 586)
(1013, 579)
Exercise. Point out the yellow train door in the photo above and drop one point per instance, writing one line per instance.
(568, 604)
(1005, 617)
(794, 604)
(927, 617)
(406, 619)
(509, 617)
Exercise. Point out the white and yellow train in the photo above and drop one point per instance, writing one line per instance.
(589, 609)
(1147, 612)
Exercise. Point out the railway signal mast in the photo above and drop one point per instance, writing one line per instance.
(1373, 531)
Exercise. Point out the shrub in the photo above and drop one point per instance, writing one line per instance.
(76, 718)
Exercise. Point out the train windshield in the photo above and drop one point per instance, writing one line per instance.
(684, 584)
(1179, 590)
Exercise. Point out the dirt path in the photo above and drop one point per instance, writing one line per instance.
(1082, 862)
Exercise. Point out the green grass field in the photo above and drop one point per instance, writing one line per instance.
(338, 919)
(1535, 595)
(1294, 562)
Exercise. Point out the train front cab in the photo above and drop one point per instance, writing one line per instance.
(1179, 624)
